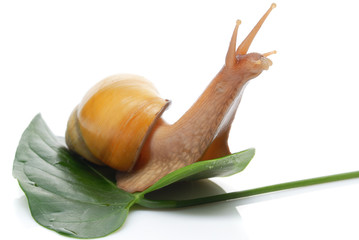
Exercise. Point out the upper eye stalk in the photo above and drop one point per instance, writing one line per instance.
(232, 54)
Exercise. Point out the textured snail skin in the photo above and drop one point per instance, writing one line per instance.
(118, 121)
(200, 134)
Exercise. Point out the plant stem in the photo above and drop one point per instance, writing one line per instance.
(246, 193)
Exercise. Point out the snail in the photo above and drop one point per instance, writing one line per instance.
(118, 123)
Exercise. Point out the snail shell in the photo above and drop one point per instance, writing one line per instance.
(101, 128)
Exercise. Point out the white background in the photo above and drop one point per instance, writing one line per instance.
(301, 115)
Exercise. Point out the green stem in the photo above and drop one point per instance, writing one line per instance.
(246, 193)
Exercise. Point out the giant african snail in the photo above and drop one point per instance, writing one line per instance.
(118, 123)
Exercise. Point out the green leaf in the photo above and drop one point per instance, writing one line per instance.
(220, 167)
(77, 199)
(74, 198)
(66, 195)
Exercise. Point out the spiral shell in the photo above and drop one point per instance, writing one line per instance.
(114, 118)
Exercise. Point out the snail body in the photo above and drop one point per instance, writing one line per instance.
(118, 123)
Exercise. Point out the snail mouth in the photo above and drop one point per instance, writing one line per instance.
(264, 62)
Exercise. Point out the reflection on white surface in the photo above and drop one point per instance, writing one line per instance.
(307, 213)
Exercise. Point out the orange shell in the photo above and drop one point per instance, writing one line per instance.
(116, 116)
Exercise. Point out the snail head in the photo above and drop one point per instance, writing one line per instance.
(251, 64)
